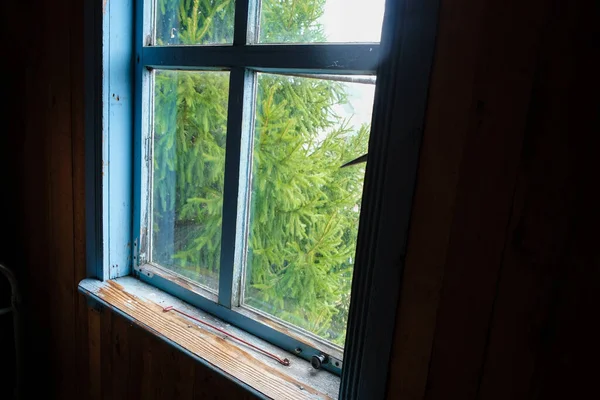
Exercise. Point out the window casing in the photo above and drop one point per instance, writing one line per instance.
(240, 63)
(402, 62)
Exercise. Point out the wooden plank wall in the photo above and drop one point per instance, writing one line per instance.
(501, 285)
(501, 282)
(12, 117)
(128, 362)
(72, 350)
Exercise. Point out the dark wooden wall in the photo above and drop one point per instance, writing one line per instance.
(72, 350)
(502, 281)
(502, 276)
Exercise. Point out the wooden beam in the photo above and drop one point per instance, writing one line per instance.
(479, 100)
(106, 361)
(543, 338)
(183, 382)
(78, 166)
(119, 357)
(447, 120)
(232, 360)
(137, 374)
(94, 354)
(506, 63)
(57, 132)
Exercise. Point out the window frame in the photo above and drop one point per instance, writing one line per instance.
(113, 248)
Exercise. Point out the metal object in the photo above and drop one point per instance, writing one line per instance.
(336, 362)
(15, 301)
(247, 322)
(281, 361)
(358, 160)
(318, 360)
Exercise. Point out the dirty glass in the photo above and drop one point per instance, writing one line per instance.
(189, 131)
(304, 207)
(194, 22)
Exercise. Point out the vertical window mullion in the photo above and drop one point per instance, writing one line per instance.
(142, 123)
(234, 193)
(237, 158)
(245, 187)
(246, 22)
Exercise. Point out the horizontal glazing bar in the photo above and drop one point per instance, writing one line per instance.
(358, 59)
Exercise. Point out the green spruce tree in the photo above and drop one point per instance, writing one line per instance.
(304, 212)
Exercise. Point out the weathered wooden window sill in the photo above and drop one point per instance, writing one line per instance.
(143, 304)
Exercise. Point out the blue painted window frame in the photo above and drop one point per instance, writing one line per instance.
(243, 59)
(109, 105)
(117, 148)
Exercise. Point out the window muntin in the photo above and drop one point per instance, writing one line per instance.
(244, 62)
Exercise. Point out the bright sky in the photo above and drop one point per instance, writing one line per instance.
(360, 104)
(353, 20)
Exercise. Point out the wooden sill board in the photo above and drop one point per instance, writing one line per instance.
(143, 304)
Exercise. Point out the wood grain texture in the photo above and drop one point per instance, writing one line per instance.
(136, 363)
(501, 282)
(149, 364)
(229, 358)
(490, 305)
(208, 385)
(542, 341)
(184, 375)
(66, 341)
(129, 362)
(537, 242)
(506, 64)
(12, 115)
(119, 351)
(447, 120)
(94, 352)
(78, 167)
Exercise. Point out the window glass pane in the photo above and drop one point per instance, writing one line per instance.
(305, 208)
(194, 22)
(314, 21)
(190, 124)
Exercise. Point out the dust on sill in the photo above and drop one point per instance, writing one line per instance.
(143, 304)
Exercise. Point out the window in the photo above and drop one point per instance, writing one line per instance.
(230, 193)
(250, 114)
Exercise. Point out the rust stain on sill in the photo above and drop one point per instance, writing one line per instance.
(167, 324)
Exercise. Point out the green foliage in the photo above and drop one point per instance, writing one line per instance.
(304, 213)
(291, 21)
(194, 21)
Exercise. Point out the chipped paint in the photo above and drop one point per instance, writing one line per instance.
(178, 280)
(132, 300)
